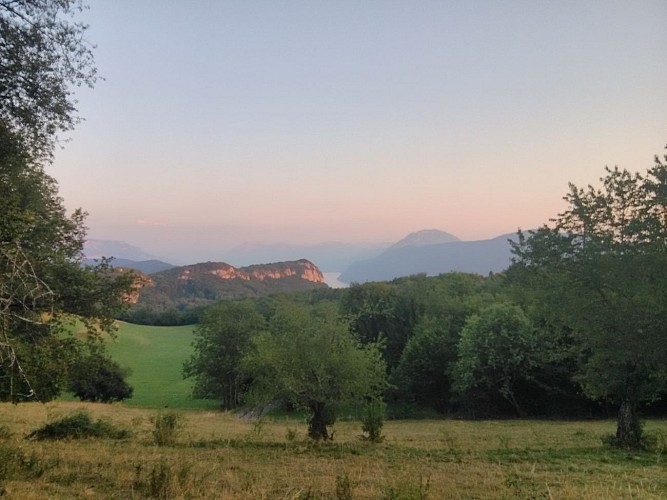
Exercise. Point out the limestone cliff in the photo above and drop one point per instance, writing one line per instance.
(199, 284)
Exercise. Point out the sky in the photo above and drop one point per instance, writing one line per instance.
(224, 122)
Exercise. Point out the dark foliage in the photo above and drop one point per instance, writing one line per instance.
(80, 425)
(98, 378)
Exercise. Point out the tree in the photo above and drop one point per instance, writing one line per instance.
(496, 352)
(95, 377)
(222, 339)
(42, 282)
(43, 55)
(381, 316)
(311, 360)
(601, 268)
(423, 372)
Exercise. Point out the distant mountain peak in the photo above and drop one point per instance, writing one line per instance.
(425, 237)
(95, 249)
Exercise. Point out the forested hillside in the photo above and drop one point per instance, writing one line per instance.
(177, 295)
(574, 327)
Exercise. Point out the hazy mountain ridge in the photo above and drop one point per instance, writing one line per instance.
(328, 256)
(425, 237)
(96, 249)
(479, 257)
(145, 266)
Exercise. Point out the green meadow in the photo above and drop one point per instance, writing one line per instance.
(155, 356)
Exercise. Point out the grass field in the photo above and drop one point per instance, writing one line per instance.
(155, 354)
(217, 455)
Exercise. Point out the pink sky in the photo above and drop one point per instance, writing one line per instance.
(357, 121)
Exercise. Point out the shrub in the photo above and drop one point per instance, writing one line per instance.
(98, 378)
(166, 428)
(78, 426)
(373, 420)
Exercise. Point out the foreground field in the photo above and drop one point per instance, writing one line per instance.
(218, 455)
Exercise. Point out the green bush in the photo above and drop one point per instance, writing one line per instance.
(78, 426)
(372, 420)
(97, 378)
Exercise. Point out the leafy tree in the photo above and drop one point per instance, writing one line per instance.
(43, 55)
(496, 352)
(95, 377)
(601, 268)
(423, 372)
(445, 302)
(379, 315)
(222, 339)
(309, 359)
(41, 280)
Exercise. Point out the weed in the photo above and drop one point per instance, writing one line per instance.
(159, 484)
(258, 426)
(343, 487)
(4, 432)
(291, 435)
(10, 460)
(409, 490)
(78, 426)
(166, 428)
(660, 446)
(504, 441)
(449, 440)
(523, 485)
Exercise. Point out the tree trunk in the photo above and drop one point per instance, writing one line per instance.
(319, 420)
(628, 429)
(508, 394)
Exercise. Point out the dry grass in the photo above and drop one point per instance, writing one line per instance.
(217, 455)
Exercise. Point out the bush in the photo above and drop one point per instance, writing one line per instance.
(373, 420)
(97, 378)
(78, 426)
(166, 428)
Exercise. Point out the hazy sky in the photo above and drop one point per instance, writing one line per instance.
(220, 122)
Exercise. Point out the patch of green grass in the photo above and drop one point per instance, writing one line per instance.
(155, 355)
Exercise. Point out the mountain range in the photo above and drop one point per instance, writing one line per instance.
(429, 251)
(418, 253)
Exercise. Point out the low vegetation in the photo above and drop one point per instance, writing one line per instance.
(220, 454)
(79, 425)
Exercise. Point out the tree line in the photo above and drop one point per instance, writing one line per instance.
(575, 327)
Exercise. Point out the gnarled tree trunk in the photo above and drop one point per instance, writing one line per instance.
(321, 417)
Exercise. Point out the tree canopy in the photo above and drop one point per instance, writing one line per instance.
(42, 282)
(44, 55)
(601, 267)
(222, 339)
(309, 358)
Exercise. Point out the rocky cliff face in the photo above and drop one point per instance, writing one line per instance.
(301, 269)
(199, 284)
